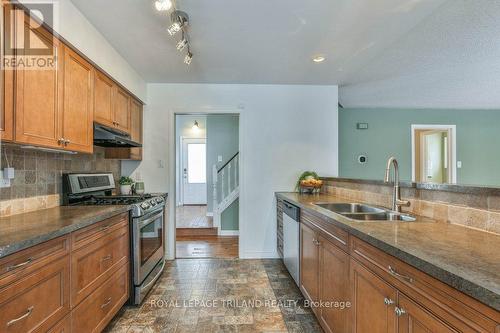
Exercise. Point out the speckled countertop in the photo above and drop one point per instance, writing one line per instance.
(21, 231)
(464, 258)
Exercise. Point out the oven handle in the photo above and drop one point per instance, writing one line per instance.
(141, 223)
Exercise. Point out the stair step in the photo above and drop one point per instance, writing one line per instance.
(196, 231)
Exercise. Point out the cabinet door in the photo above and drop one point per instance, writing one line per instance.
(6, 79)
(373, 302)
(103, 100)
(78, 106)
(309, 263)
(122, 110)
(416, 319)
(333, 287)
(136, 128)
(38, 91)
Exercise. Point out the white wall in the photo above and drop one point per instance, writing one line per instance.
(73, 26)
(284, 130)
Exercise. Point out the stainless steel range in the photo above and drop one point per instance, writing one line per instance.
(146, 228)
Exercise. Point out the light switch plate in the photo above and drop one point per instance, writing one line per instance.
(459, 164)
(4, 182)
(219, 158)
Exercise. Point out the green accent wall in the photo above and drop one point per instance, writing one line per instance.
(389, 134)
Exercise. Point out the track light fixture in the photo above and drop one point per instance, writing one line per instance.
(163, 5)
(179, 20)
(188, 58)
(182, 43)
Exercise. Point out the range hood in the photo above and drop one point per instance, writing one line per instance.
(110, 137)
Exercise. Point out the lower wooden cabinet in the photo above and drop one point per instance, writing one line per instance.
(309, 263)
(75, 283)
(374, 302)
(97, 310)
(385, 294)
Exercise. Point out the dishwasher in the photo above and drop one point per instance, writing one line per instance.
(291, 241)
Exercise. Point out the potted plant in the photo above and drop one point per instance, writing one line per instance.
(126, 185)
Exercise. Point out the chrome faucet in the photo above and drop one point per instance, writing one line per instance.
(396, 194)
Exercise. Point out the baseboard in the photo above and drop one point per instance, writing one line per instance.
(210, 214)
(229, 232)
(259, 255)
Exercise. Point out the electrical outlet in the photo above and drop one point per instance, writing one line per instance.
(219, 158)
(459, 164)
(161, 164)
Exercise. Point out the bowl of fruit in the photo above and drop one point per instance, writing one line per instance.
(309, 182)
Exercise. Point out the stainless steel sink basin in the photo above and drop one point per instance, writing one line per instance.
(384, 216)
(366, 213)
(342, 208)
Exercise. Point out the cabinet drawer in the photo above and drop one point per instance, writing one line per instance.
(91, 233)
(93, 264)
(448, 304)
(27, 261)
(97, 310)
(38, 301)
(331, 232)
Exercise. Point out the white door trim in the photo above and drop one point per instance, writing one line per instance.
(452, 141)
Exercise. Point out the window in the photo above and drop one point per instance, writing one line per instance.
(197, 163)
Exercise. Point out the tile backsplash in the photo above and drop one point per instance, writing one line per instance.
(38, 176)
(478, 211)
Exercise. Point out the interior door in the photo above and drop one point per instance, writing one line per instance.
(194, 171)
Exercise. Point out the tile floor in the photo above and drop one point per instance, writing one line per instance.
(220, 295)
(192, 217)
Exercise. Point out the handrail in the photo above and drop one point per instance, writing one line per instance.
(225, 164)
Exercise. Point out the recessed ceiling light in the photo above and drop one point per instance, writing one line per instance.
(318, 58)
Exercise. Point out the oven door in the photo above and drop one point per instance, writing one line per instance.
(148, 244)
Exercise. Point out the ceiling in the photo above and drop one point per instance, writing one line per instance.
(259, 41)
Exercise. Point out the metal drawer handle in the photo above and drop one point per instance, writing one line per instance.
(108, 257)
(108, 301)
(28, 312)
(404, 277)
(388, 301)
(399, 311)
(11, 268)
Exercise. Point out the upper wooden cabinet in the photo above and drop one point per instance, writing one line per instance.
(38, 94)
(78, 106)
(6, 81)
(103, 100)
(122, 110)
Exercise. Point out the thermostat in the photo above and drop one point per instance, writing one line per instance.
(362, 159)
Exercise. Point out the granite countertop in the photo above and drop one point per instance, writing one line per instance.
(464, 258)
(21, 231)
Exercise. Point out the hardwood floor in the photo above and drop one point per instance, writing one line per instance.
(193, 217)
(207, 247)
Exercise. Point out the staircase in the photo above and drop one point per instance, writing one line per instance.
(226, 187)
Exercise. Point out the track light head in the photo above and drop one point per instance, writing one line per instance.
(188, 58)
(181, 44)
(163, 5)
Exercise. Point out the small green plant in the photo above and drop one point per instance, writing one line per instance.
(306, 175)
(126, 181)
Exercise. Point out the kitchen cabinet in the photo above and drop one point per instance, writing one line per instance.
(74, 283)
(136, 129)
(6, 81)
(103, 100)
(385, 294)
(333, 286)
(121, 109)
(39, 94)
(374, 302)
(78, 107)
(309, 263)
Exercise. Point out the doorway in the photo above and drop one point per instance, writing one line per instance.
(434, 154)
(205, 171)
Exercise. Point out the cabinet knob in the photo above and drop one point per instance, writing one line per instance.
(399, 311)
(388, 301)
(316, 242)
(66, 142)
(61, 141)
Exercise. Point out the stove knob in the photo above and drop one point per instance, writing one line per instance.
(153, 203)
(145, 205)
(159, 200)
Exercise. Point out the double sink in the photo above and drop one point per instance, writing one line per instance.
(366, 213)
